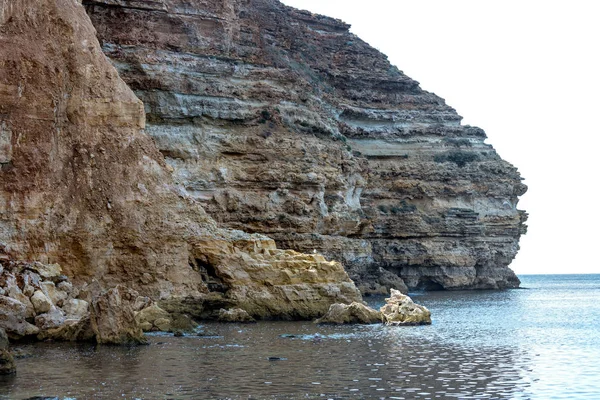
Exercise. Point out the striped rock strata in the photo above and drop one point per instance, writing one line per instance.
(284, 123)
(83, 186)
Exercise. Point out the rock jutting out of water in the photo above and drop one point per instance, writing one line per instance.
(282, 122)
(401, 310)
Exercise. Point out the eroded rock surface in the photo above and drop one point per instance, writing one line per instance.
(401, 310)
(284, 123)
(82, 186)
(112, 317)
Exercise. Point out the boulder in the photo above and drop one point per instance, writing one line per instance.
(12, 318)
(142, 302)
(355, 313)
(163, 324)
(113, 318)
(7, 362)
(154, 317)
(54, 294)
(71, 330)
(401, 310)
(46, 271)
(66, 287)
(182, 323)
(50, 320)
(16, 294)
(41, 302)
(234, 315)
(76, 309)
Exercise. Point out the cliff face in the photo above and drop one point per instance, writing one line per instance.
(282, 122)
(82, 185)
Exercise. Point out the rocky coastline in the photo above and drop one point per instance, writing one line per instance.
(164, 162)
(284, 123)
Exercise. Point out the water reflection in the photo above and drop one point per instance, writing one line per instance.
(481, 345)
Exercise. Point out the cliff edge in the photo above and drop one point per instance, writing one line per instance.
(282, 122)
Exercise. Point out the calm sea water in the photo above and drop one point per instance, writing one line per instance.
(542, 342)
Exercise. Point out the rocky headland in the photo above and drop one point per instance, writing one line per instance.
(229, 160)
(282, 122)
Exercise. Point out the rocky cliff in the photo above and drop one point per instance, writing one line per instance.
(282, 122)
(82, 185)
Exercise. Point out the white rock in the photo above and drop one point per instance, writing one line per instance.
(52, 319)
(75, 308)
(12, 318)
(46, 271)
(56, 296)
(65, 286)
(41, 302)
(28, 290)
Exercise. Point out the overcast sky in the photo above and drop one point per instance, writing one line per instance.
(526, 71)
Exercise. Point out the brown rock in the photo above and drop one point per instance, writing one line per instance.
(284, 123)
(71, 330)
(154, 317)
(355, 313)
(401, 310)
(113, 319)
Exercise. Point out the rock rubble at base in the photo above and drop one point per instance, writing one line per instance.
(33, 306)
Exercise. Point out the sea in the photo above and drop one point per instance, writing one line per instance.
(538, 342)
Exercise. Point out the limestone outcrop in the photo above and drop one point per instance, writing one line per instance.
(83, 187)
(282, 122)
(401, 310)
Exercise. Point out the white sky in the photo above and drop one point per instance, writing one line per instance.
(528, 73)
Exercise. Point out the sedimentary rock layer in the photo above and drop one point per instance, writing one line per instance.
(83, 186)
(282, 122)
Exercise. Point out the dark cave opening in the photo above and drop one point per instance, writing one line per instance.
(209, 275)
(428, 285)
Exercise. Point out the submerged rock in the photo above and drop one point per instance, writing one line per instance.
(401, 310)
(355, 313)
(113, 318)
(234, 315)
